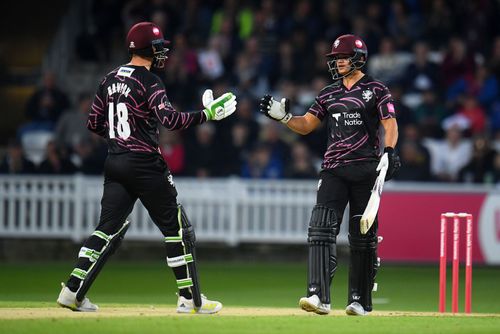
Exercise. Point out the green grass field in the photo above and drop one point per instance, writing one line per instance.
(273, 287)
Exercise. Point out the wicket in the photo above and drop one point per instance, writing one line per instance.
(456, 217)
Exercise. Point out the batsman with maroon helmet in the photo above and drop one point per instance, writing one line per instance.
(129, 105)
(355, 106)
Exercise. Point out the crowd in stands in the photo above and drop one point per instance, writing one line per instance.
(441, 60)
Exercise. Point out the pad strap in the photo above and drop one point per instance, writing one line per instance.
(180, 260)
(184, 283)
(173, 239)
(79, 273)
(89, 253)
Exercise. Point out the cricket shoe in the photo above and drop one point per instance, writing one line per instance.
(314, 304)
(185, 305)
(67, 299)
(355, 308)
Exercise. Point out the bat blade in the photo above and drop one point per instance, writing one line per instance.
(371, 209)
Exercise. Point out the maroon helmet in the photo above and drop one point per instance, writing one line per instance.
(146, 39)
(349, 45)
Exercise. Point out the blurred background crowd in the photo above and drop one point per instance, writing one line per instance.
(440, 59)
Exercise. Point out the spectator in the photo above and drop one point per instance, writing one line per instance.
(486, 87)
(181, 73)
(286, 68)
(402, 24)
(415, 158)
(202, 158)
(14, 162)
(457, 63)
(304, 61)
(450, 155)
(210, 60)
(225, 37)
(247, 67)
(165, 15)
(494, 118)
(196, 20)
(267, 31)
(474, 113)
(494, 59)
(172, 151)
(403, 113)
(483, 86)
(245, 116)
(321, 48)
(480, 168)
(429, 114)
(333, 19)
(56, 161)
(388, 66)
(71, 129)
(302, 18)
(106, 24)
(239, 11)
(271, 133)
(375, 23)
(90, 155)
(439, 23)
(47, 103)
(280, 47)
(262, 165)
(238, 148)
(414, 164)
(301, 166)
(421, 74)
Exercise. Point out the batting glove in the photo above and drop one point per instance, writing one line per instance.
(393, 160)
(278, 111)
(219, 108)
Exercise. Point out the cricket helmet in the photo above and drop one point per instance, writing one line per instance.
(351, 46)
(146, 39)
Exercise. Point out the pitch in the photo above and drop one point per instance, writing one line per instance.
(258, 298)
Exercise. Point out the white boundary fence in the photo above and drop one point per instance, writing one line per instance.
(222, 210)
(229, 210)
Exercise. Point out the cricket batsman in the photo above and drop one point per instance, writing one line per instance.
(354, 106)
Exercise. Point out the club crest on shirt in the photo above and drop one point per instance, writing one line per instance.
(170, 180)
(367, 95)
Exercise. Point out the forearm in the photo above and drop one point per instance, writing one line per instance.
(391, 133)
(174, 120)
(280, 111)
(300, 125)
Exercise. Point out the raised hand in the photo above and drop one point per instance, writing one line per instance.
(278, 111)
(221, 107)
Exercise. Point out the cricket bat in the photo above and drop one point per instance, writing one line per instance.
(373, 203)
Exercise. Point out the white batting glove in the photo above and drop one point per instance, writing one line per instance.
(278, 111)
